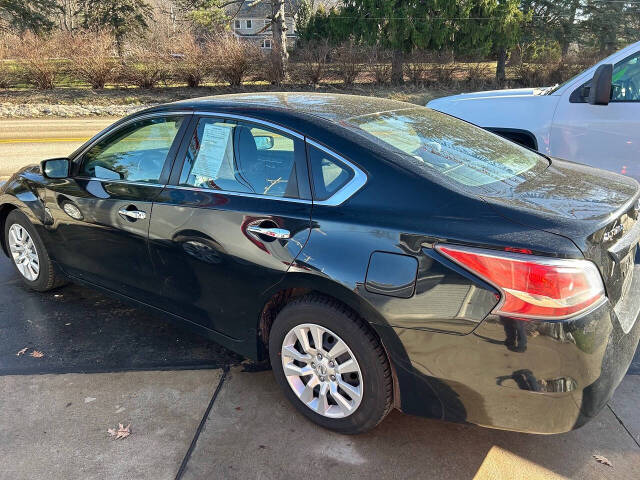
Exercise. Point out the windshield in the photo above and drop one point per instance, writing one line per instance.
(436, 143)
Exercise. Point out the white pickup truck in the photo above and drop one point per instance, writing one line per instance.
(594, 118)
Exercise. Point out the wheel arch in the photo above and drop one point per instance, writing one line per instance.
(5, 209)
(285, 292)
(520, 136)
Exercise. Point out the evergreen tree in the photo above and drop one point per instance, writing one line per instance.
(610, 25)
(122, 17)
(24, 15)
(402, 25)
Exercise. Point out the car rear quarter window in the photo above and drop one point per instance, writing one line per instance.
(438, 144)
(329, 174)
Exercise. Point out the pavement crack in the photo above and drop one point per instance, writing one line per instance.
(192, 447)
(624, 426)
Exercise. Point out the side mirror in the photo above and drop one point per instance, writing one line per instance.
(264, 142)
(55, 168)
(600, 89)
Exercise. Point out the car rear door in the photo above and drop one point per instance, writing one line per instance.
(101, 214)
(235, 216)
(603, 136)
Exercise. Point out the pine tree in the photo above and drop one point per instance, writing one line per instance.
(24, 15)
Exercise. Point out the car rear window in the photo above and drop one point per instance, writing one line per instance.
(440, 144)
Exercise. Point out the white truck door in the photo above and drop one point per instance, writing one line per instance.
(603, 136)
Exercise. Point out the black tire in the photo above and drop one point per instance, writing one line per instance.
(377, 380)
(48, 277)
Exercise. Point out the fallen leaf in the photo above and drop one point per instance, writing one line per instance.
(36, 354)
(238, 408)
(121, 432)
(22, 352)
(603, 460)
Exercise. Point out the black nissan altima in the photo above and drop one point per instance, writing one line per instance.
(381, 255)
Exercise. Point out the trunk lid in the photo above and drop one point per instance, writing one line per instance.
(597, 210)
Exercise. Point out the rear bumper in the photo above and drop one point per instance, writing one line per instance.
(537, 377)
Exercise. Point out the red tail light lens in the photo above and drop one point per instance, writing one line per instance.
(531, 286)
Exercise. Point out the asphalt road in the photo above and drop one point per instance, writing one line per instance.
(23, 142)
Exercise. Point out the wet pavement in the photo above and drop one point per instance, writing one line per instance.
(80, 330)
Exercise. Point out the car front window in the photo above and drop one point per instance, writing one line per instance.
(442, 145)
(136, 152)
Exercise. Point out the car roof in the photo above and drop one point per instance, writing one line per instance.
(329, 106)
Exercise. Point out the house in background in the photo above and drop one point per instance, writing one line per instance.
(252, 22)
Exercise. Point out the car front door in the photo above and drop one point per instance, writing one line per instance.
(233, 220)
(603, 136)
(100, 215)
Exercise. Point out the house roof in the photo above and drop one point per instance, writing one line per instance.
(258, 8)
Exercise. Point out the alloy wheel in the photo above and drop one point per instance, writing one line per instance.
(24, 252)
(322, 370)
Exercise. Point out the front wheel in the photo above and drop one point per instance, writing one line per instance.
(29, 255)
(330, 365)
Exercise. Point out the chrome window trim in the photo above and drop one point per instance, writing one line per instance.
(124, 182)
(144, 116)
(342, 195)
(358, 180)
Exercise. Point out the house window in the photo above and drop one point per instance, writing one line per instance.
(237, 24)
(266, 22)
(266, 43)
(248, 23)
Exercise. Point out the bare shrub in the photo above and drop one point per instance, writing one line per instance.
(7, 67)
(531, 75)
(39, 61)
(234, 59)
(93, 58)
(192, 60)
(444, 71)
(349, 57)
(312, 65)
(271, 70)
(478, 75)
(416, 66)
(380, 65)
(146, 64)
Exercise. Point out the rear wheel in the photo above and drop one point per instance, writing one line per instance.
(29, 255)
(330, 365)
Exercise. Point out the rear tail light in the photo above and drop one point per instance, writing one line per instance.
(532, 286)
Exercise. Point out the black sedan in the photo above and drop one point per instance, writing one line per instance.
(381, 255)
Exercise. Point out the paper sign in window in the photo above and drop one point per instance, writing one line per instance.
(213, 148)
